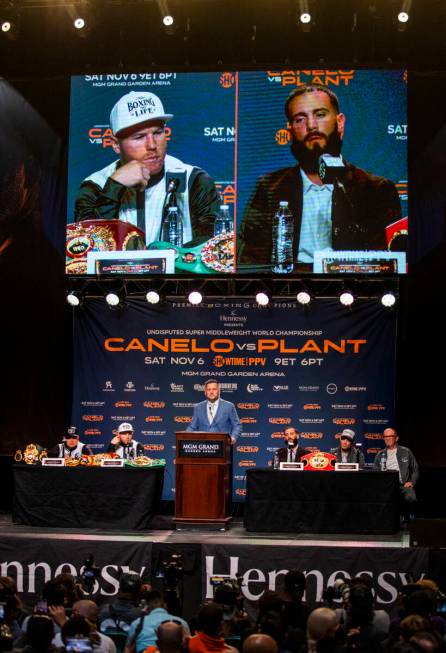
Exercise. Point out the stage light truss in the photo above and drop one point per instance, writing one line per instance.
(174, 289)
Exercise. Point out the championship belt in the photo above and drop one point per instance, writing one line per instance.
(396, 235)
(99, 236)
(32, 454)
(318, 461)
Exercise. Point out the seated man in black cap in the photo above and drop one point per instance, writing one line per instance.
(347, 452)
(70, 447)
(123, 443)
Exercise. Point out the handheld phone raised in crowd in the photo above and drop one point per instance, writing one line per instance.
(2, 611)
(42, 607)
(79, 645)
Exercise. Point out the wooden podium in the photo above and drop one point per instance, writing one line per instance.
(203, 479)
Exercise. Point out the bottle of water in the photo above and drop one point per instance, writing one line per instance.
(283, 235)
(223, 222)
(172, 227)
(383, 463)
(276, 462)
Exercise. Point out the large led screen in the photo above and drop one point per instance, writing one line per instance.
(256, 172)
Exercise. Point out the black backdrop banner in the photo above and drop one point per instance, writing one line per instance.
(33, 561)
(321, 370)
(263, 567)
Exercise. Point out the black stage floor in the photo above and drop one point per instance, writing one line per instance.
(163, 530)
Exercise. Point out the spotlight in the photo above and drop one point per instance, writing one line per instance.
(388, 299)
(304, 15)
(112, 299)
(346, 298)
(262, 299)
(303, 297)
(10, 26)
(195, 297)
(152, 297)
(168, 20)
(73, 299)
(79, 23)
(404, 15)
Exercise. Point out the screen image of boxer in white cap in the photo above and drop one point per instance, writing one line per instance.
(137, 187)
(123, 443)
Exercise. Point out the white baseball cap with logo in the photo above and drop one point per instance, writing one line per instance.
(125, 427)
(135, 108)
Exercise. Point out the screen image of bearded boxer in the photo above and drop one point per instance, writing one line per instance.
(136, 186)
(349, 210)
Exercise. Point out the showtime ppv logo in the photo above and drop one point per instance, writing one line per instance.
(304, 77)
(154, 404)
(123, 404)
(283, 137)
(92, 432)
(312, 406)
(93, 418)
(182, 419)
(153, 418)
(227, 80)
(247, 449)
(154, 447)
(247, 463)
(311, 436)
(248, 420)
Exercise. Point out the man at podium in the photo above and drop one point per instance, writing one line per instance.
(214, 414)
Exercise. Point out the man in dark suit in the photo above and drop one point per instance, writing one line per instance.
(291, 452)
(349, 213)
(214, 414)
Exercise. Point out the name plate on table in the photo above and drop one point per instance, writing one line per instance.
(289, 467)
(112, 462)
(346, 467)
(201, 448)
(53, 462)
(138, 262)
(359, 262)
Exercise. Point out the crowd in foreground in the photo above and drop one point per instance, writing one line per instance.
(139, 620)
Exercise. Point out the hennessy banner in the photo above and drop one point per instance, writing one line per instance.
(321, 370)
(389, 569)
(31, 562)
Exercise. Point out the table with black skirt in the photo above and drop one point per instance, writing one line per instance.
(279, 501)
(122, 498)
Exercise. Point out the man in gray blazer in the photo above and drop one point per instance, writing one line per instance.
(215, 414)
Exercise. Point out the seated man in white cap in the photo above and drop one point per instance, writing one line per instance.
(145, 180)
(70, 447)
(123, 443)
(347, 452)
